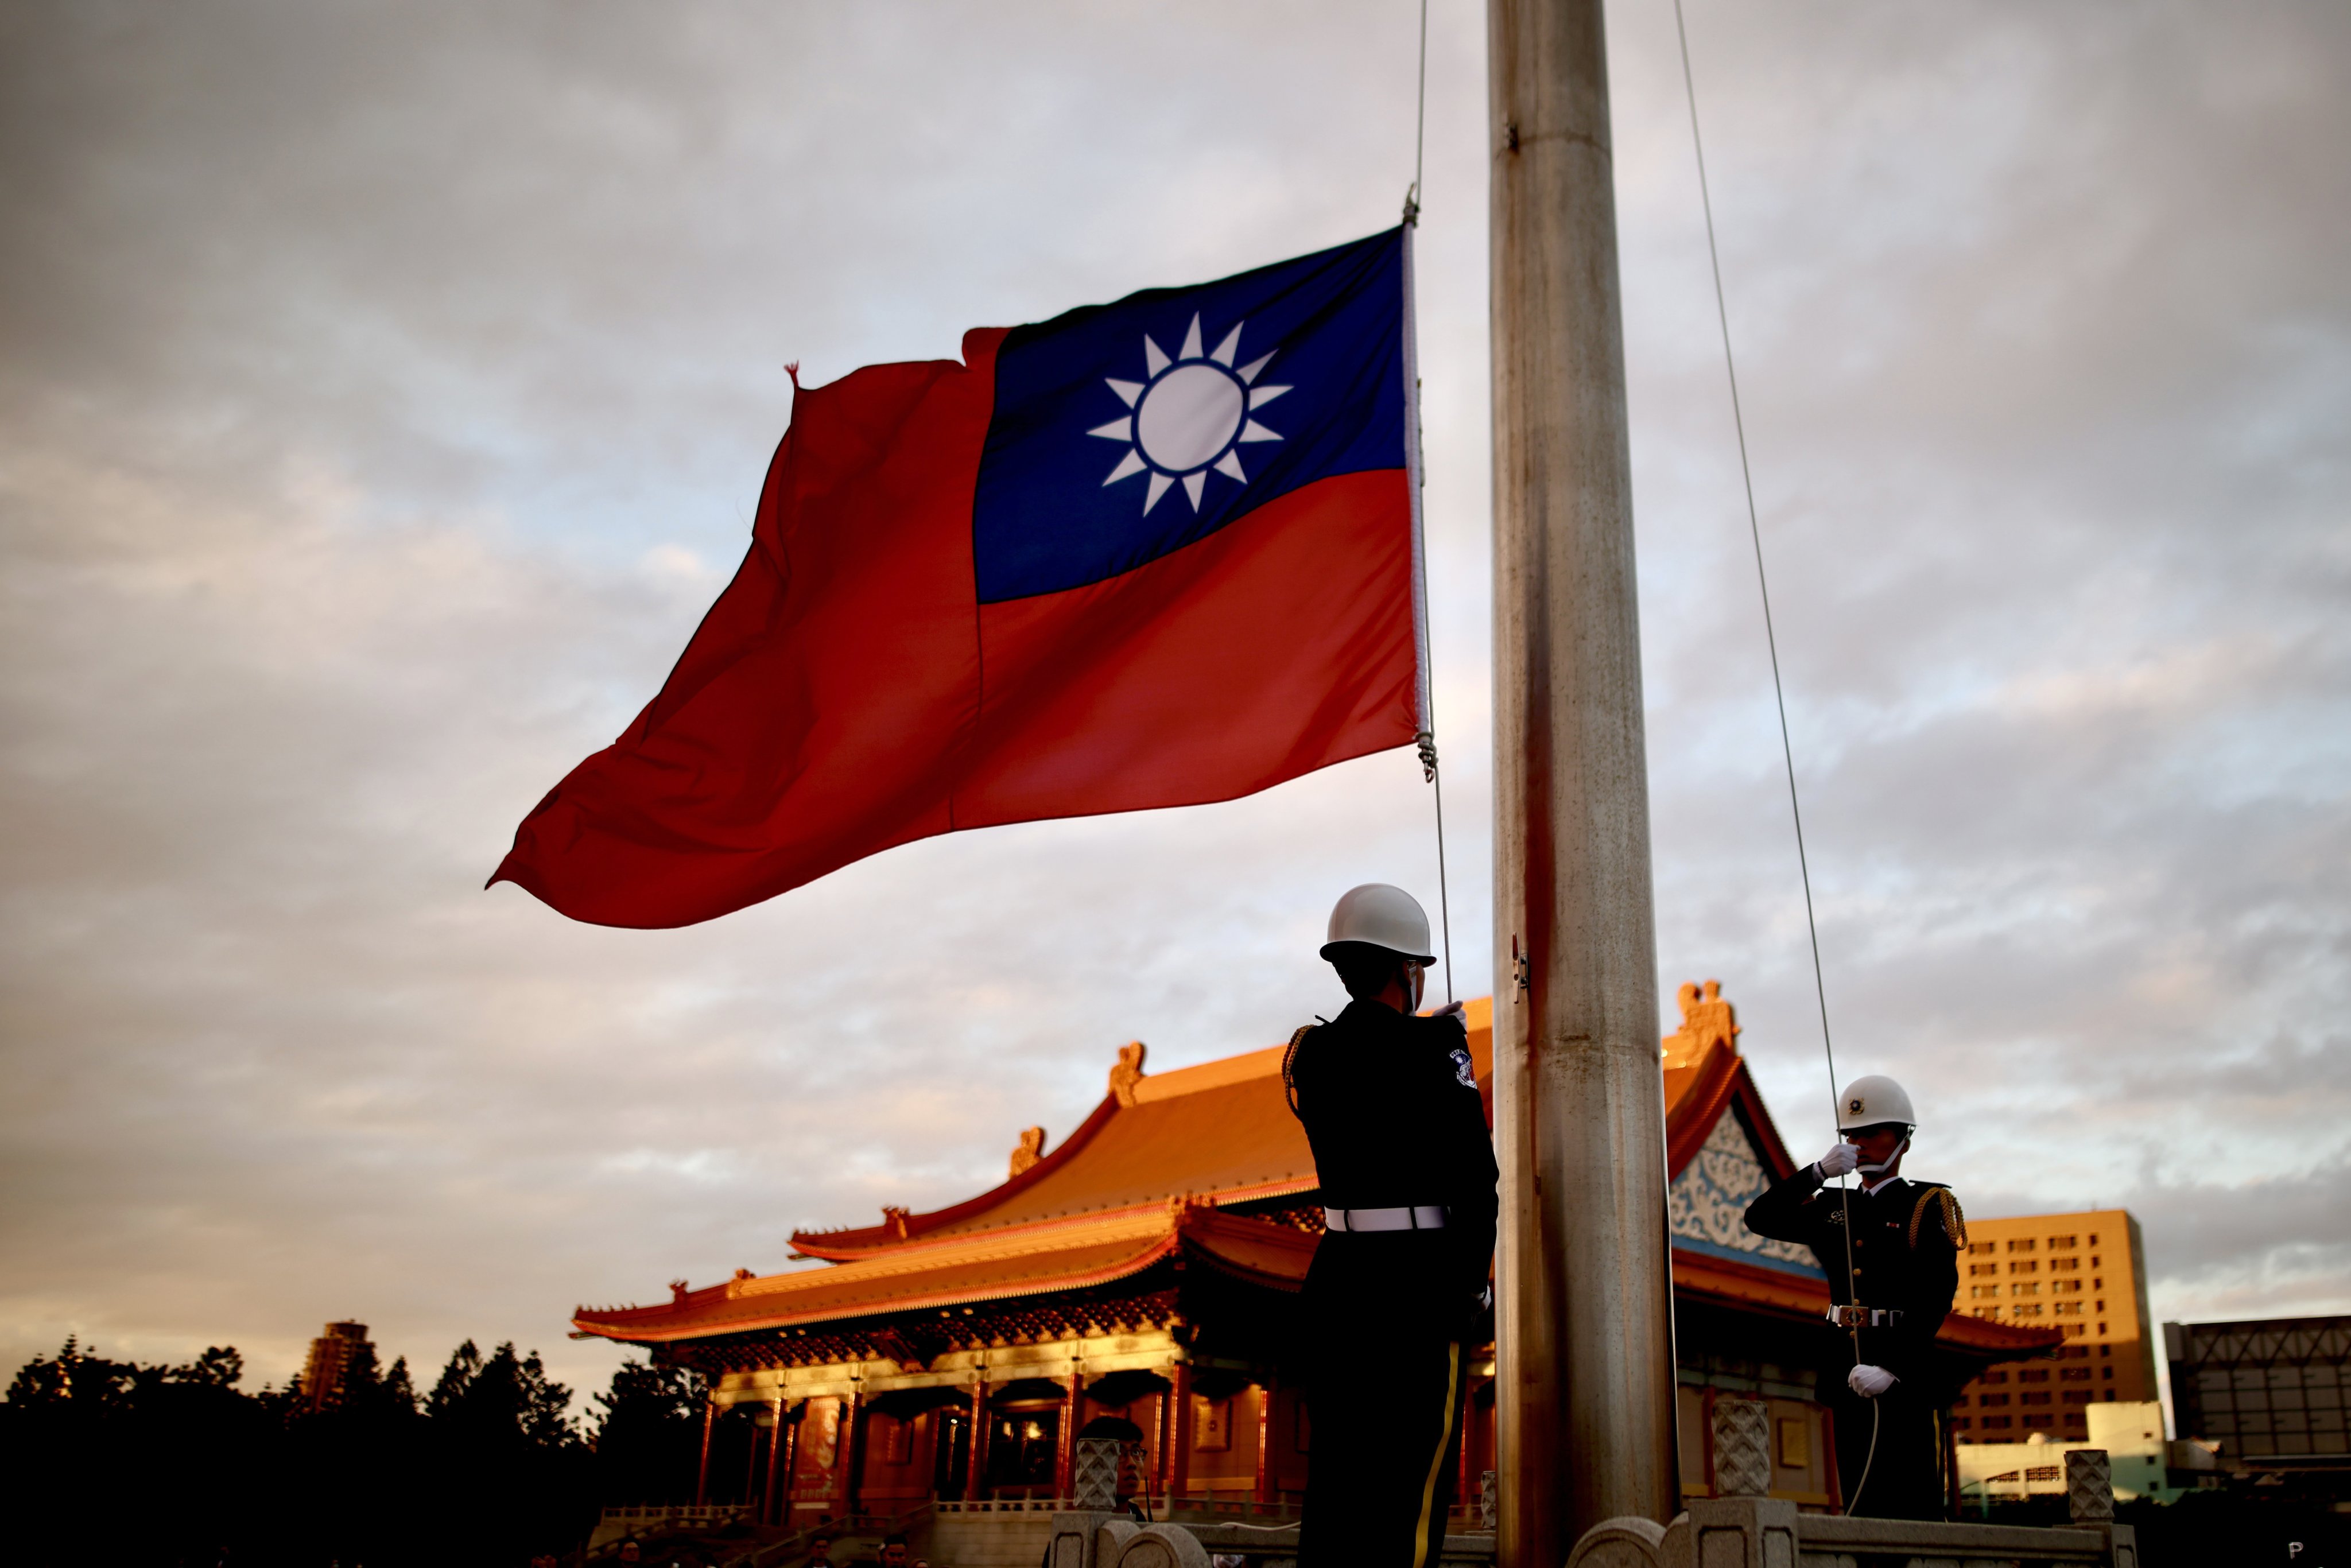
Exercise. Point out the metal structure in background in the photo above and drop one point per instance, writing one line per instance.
(1586, 1410)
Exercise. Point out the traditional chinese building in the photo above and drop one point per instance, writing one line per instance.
(1147, 1267)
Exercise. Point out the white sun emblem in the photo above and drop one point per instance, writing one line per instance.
(1192, 415)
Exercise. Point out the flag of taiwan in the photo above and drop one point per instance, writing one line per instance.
(1153, 553)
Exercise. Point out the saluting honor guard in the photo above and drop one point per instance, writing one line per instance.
(1398, 1284)
(1890, 1249)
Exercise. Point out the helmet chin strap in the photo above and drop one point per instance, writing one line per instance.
(1890, 1161)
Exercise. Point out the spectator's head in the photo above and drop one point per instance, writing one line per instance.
(893, 1553)
(1129, 1438)
(821, 1550)
(629, 1552)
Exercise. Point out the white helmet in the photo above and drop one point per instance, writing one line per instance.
(1378, 915)
(1872, 1102)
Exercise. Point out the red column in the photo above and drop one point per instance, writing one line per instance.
(1179, 1446)
(702, 1465)
(1065, 1461)
(848, 1455)
(1265, 1397)
(971, 1490)
(1161, 1424)
(792, 1472)
(775, 1436)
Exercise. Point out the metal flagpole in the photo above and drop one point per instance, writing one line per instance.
(1585, 1383)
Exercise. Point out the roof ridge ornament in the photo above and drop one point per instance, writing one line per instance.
(1126, 1074)
(1026, 1151)
(1706, 1018)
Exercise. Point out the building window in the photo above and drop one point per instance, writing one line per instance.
(2033, 1375)
(2042, 1473)
(1958, 1423)
(2022, 1244)
(2105, 1372)
(2075, 1374)
(1997, 1423)
(2027, 1309)
(2027, 1267)
(1993, 1401)
(2102, 1328)
(1993, 1377)
(2078, 1396)
(2062, 1243)
(1978, 1292)
(2064, 1287)
(2058, 1265)
(2028, 1288)
(2065, 1308)
(1992, 1313)
(2094, 1239)
(1978, 1271)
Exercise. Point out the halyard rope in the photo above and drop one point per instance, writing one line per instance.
(1779, 694)
(1427, 738)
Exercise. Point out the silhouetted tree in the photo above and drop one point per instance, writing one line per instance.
(648, 1433)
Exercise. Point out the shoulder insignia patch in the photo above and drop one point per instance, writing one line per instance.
(1464, 1069)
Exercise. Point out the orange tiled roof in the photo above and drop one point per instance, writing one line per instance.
(1804, 1298)
(1037, 1258)
(1144, 1174)
(1220, 1132)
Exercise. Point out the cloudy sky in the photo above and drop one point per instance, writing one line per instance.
(384, 391)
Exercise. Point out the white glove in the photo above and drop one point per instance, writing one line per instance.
(1842, 1159)
(1869, 1382)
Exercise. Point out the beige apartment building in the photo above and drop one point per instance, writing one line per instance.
(2085, 1274)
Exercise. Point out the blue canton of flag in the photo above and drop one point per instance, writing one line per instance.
(1123, 433)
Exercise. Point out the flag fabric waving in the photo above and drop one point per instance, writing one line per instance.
(1154, 553)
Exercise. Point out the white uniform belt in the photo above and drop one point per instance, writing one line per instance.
(1425, 1217)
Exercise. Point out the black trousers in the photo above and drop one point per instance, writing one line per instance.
(1904, 1477)
(1383, 1442)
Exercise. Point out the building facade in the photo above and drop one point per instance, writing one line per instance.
(329, 1361)
(2084, 1275)
(2271, 1394)
(2129, 1435)
(1148, 1268)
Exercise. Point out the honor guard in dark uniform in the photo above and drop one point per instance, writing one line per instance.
(1398, 1287)
(1883, 1383)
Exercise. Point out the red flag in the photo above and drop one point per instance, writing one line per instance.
(963, 605)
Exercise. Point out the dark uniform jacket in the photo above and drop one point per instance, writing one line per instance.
(1391, 1106)
(1907, 1238)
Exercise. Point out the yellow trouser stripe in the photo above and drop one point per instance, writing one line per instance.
(1437, 1460)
